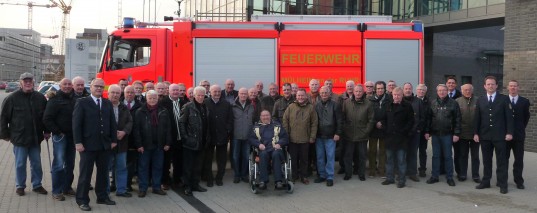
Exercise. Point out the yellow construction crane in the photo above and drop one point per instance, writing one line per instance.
(66, 10)
(30, 6)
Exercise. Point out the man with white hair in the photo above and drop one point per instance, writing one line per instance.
(259, 86)
(468, 103)
(193, 125)
(220, 120)
(79, 87)
(21, 123)
(118, 160)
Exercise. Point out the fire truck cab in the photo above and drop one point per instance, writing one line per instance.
(280, 49)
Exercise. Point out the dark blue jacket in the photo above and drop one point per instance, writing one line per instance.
(521, 114)
(94, 129)
(266, 131)
(494, 121)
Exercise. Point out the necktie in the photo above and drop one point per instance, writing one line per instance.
(490, 99)
(129, 105)
(451, 94)
(99, 103)
(513, 101)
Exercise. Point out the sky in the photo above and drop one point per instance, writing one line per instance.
(97, 14)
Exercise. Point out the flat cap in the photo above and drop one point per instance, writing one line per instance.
(26, 75)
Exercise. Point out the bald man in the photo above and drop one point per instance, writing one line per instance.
(229, 93)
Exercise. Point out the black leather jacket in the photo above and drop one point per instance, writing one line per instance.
(444, 117)
(193, 126)
(143, 136)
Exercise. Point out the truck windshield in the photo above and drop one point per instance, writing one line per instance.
(129, 53)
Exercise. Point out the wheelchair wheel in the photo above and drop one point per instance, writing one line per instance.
(253, 171)
(290, 187)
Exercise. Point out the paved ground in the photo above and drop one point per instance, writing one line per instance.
(345, 196)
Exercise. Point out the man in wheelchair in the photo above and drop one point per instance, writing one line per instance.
(269, 138)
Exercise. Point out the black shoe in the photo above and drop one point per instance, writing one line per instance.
(209, 184)
(319, 180)
(262, 186)
(341, 171)
(159, 192)
(387, 182)
(520, 186)
(362, 178)
(69, 192)
(126, 194)
(414, 178)
(40, 190)
(477, 180)
(279, 185)
(84, 207)
(461, 178)
(188, 191)
(329, 182)
(503, 190)
(106, 201)
(219, 183)
(400, 185)
(347, 177)
(58, 197)
(422, 173)
(142, 193)
(165, 187)
(199, 189)
(20, 191)
(482, 186)
(112, 188)
(236, 180)
(432, 180)
(450, 182)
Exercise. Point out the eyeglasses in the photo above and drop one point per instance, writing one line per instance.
(98, 86)
(369, 86)
(206, 85)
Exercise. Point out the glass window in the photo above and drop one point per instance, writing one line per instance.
(128, 53)
(466, 80)
(476, 3)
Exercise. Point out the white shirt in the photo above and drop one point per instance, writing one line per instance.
(95, 100)
(511, 98)
(493, 96)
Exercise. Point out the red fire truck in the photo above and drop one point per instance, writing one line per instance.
(282, 50)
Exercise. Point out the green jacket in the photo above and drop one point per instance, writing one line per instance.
(358, 119)
(300, 122)
(467, 106)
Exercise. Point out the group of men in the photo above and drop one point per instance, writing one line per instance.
(147, 133)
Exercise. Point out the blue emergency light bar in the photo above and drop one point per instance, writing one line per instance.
(128, 22)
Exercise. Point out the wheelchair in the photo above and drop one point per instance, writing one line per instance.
(255, 174)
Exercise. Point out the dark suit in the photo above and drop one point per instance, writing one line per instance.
(456, 146)
(174, 155)
(96, 130)
(132, 153)
(492, 123)
(229, 97)
(521, 115)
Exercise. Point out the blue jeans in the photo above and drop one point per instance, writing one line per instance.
(442, 144)
(155, 158)
(264, 159)
(118, 165)
(412, 154)
(400, 156)
(240, 158)
(21, 155)
(326, 157)
(63, 164)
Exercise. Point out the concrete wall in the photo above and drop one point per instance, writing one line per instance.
(521, 56)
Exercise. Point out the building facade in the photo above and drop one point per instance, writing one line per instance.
(83, 54)
(20, 52)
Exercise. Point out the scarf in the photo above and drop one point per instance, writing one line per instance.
(153, 110)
